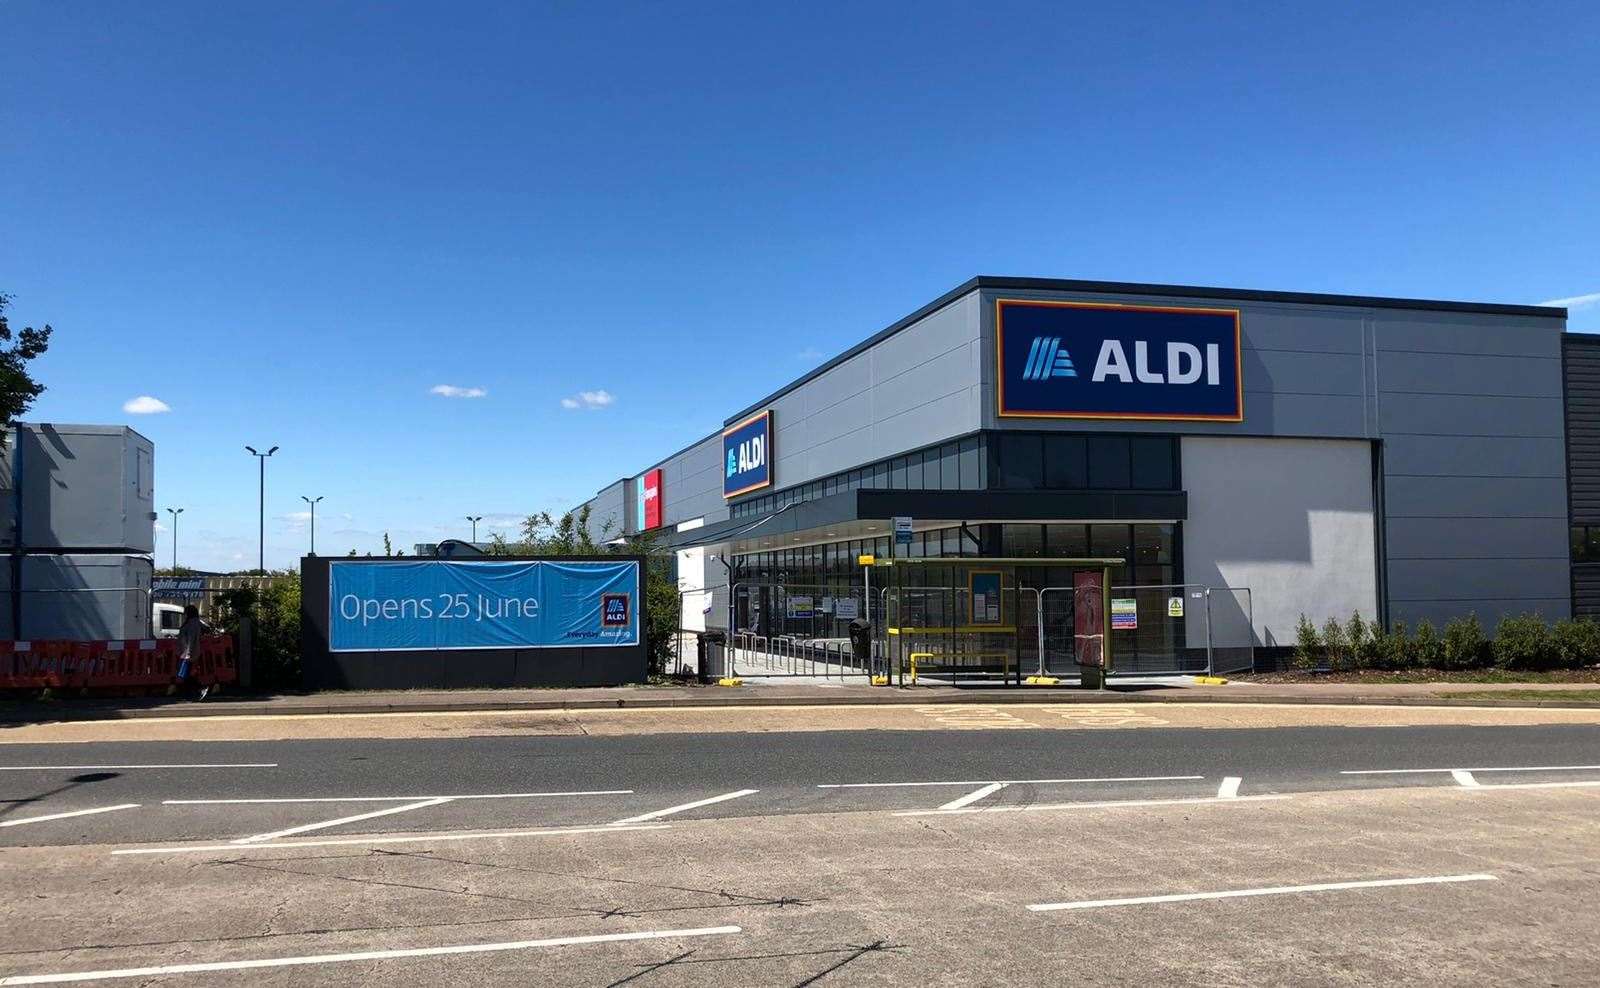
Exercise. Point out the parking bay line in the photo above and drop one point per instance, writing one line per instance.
(63, 816)
(657, 814)
(1275, 890)
(447, 835)
(1447, 771)
(974, 796)
(306, 828)
(1107, 804)
(1008, 782)
(367, 955)
(390, 799)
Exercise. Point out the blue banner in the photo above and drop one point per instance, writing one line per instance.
(474, 604)
(747, 455)
(1101, 361)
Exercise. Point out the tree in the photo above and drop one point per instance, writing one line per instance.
(18, 389)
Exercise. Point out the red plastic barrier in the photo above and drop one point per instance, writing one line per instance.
(215, 662)
(148, 662)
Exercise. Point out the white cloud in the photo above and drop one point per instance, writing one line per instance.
(297, 516)
(452, 391)
(1576, 301)
(589, 399)
(809, 353)
(145, 405)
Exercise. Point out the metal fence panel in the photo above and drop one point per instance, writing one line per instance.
(1233, 636)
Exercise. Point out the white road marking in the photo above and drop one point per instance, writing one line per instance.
(391, 799)
(1229, 788)
(974, 796)
(1444, 771)
(344, 819)
(686, 806)
(1090, 806)
(1480, 787)
(366, 955)
(63, 816)
(1008, 782)
(363, 841)
(1277, 890)
(107, 768)
(1464, 778)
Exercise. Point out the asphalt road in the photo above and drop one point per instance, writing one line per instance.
(979, 849)
(606, 779)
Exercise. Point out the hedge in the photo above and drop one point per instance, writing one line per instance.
(1520, 642)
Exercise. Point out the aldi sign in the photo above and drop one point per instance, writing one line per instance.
(747, 455)
(1099, 360)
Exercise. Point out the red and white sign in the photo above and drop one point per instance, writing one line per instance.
(652, 499)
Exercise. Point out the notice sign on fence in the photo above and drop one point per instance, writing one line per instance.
(846, 609)
(1124, 614)
(799, 605)
(476, 604)
(1175, 606)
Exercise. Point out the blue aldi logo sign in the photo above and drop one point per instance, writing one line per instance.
(1094, 360)
(615, 610)
(747, 455)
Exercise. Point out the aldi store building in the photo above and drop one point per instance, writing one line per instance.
(1297, 454)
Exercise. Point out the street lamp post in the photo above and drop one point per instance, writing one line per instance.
(174, 512)
(313, 502)
(261, 563)
(474, 519)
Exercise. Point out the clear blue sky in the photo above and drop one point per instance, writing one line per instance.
(289, 222)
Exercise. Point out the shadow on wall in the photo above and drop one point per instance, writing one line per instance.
(1292, 519)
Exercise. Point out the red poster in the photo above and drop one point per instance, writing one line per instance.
(1088, 618)
(652, 499)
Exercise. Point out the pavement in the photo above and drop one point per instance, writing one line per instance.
(780, 691)
(965, 850)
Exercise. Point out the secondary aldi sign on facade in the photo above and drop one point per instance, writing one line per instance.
(650, 492)
(747, 455)
(1098, 360)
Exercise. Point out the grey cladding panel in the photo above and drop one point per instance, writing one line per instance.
(1505, 579)
(1474, 374)
(1474, 497)
(1489, 609)
(1457, 415)
(1491, 456)
(1466, 333)
(915, 388)
(1486, 539)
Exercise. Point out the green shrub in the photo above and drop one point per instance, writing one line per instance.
(1394, 650)
(1359, 639)
(1307, 644)
(1427, 648)
(1575, 643)
(1522, 641)
(1336, 645)
(1464, 644)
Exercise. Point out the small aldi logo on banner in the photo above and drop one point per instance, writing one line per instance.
(1124, 614)
(615, 610)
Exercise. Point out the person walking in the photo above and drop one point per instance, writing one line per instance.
(189, 635)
